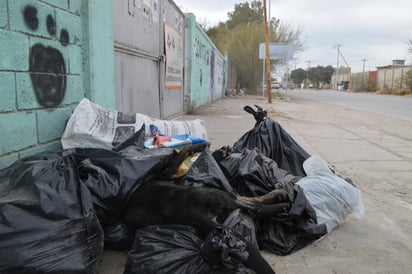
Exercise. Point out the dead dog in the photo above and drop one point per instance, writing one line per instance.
(163, 202)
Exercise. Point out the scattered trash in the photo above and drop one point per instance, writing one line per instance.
(58, 209)
(93, 126)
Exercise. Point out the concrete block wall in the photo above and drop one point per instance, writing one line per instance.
(205, 67)
(46, 67)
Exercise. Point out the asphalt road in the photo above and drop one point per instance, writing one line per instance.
(395, 106)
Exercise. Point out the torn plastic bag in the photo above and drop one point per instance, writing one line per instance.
(93, 126)
(112, 177)
(205, 171)
(251, 173)
(333, 198)
(178, 249)
(289, 232)
(47, 220)
(274, 142)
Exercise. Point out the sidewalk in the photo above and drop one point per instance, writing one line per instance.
(374, 151)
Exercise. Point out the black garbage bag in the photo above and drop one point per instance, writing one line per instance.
(205, 172)
(112, 177)
(274, 142)
(243, 224)
(251, 173)
(47, 220)
(178, 249)
(289, 232)
(135, 142)
(118, 236)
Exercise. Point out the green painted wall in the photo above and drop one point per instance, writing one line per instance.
(205, 67)
(52, 54)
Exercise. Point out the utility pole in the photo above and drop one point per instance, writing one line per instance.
(268, 74)
(363, 71)
(337, 46)
(307, 71)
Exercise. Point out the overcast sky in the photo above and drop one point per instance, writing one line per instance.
(375, 30)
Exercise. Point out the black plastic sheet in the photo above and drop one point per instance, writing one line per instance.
(289, 232)
(243, 224)
(47, 220)
(206, 172)
(118, 236)
(274, 142)
(251, 173)
(112, 177)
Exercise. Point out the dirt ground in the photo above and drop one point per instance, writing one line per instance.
(375, 151)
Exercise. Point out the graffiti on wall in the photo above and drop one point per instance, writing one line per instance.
(201, 53)
(47, 66)
(148, 8)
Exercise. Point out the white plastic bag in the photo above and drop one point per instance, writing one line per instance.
(331, 196)
(94, 126)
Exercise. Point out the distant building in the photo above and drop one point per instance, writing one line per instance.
(391, 77)
(387, 79)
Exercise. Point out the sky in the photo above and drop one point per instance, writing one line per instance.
(370, 33)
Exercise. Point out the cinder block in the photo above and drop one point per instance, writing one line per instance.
(7, 160)
(49, 147)
(14, 51)
(26, 98)
(7, 92)
(63, 4)
(17, 131)
(74, 91)
(75, 58)
(3, 14)
(72, 24)
(37, 23)
(75, 6)
(51, 123)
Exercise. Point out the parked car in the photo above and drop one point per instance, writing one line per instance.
(275, 85)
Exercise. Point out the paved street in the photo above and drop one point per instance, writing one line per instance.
(374, 150)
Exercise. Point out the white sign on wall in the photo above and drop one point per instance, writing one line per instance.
(174, 57)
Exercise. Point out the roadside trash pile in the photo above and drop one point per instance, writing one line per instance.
(59, 210)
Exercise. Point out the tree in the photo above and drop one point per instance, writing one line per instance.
(240, 36)
(408, 80)
(298, 75)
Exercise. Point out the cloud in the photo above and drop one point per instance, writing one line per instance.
(376, 30)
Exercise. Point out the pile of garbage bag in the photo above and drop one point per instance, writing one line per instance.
(59, 210)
